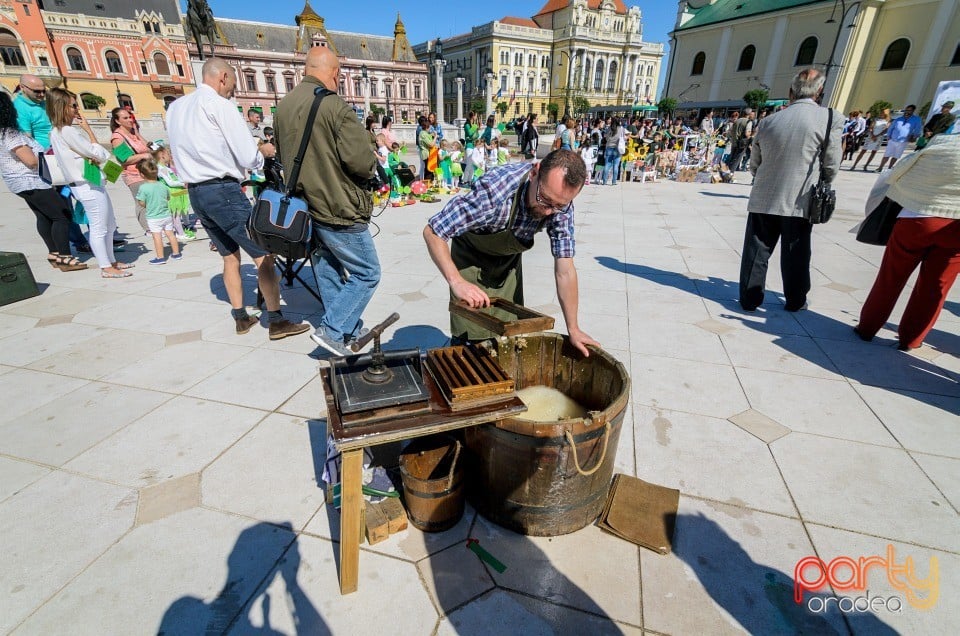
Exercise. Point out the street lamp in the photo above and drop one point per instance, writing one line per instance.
(366, 89)
(843, 17)
(460, 80)
(439, 63)
(489, 77)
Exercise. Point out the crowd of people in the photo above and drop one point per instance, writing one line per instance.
(214, 151)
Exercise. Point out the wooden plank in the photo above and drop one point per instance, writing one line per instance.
(396, 515)
(350, 509)
(376, 524)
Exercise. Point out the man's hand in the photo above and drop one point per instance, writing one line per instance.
(580, 340)
(470, 294)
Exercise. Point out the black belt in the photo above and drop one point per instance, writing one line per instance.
(213, 181)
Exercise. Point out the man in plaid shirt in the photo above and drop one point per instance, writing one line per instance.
(490, 227)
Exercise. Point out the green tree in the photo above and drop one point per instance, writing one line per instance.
(379, 111)
(479, 107)
(552, 110)
(92, 102)
(502, 108)
(756, 98)
(878, 107)
(667, 105)
(580, 105)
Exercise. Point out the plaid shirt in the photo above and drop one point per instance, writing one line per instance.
(486, 209)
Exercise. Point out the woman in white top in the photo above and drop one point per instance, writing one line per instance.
(73, 143)
(874, 138)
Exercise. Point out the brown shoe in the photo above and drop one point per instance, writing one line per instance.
(284, 328)
(245, 324)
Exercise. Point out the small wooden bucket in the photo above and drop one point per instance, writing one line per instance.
(433, 482)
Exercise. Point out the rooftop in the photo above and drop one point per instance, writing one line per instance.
(726, 10)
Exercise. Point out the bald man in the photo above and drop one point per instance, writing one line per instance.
(213, 149)
(31, 109)
(337, 163)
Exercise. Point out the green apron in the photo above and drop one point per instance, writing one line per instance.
(493, 263)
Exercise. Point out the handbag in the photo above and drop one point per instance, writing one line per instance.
(878, 226)
(281, 222)
(621, 144)
(823, 198)
(49, 170)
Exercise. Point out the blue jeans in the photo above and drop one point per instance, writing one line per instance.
(347, 271)
(612, 165)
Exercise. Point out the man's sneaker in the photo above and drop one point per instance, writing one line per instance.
(283, 328)
(157, 261)
(176, 257)
(245, 324)
(336, 348)
(349, 340)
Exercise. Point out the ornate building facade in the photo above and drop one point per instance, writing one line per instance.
(571, 53)
(269, 59)
(119, 52)
(892, 50)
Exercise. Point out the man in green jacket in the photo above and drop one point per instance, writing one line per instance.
(337, 162)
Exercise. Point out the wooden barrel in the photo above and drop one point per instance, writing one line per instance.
(550, 478)
(432, 476)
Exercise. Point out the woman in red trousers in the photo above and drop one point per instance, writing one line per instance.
(927, 233)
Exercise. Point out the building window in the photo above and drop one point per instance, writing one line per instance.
(531, 60)
(543, 108)
(43, 61)
(746, 58)
(807, 51)
(504, 56)
(179, 69)
(416, 91)
(516, 84)
(343, 87)
(167, 100)
(612, 77)
(896, 55)
(503, 83)
(955, 60)
(530, 82)
(161, 64)
(598, 76)
(75, 59)
(143, 68)
(114, 65)
(543, 85)
(387, 90)
(10, 50)
(89, 101)
(516, 108)
(271, 83)
(374, 87)
(517, 59)
(586, 74)
(288, 83)
(699, 61)
(125, 101)
(356, 88)
(403, 91)
(250, 81)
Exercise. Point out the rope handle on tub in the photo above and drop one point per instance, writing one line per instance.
(453, 466)
(603, 453)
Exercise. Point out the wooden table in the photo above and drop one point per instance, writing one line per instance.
(351, 440)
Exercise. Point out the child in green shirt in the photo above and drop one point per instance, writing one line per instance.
(155, 197)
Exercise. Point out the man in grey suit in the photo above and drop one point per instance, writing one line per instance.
(785, 162)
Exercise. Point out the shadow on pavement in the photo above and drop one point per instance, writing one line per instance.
(878, 363)
(708, 193)
(757, 596)
(192, 615)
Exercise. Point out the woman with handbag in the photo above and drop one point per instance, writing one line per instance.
(18, 165)
(80, 158)
(926, 233)
(615, 147)
(124, 131)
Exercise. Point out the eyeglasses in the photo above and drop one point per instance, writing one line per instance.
(74, 106)
(35, 91)
(549, 205)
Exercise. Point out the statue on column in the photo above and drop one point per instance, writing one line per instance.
(201, 23)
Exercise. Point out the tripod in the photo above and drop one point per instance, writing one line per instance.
(290, 269)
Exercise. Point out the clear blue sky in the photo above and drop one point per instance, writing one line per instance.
(425, 20)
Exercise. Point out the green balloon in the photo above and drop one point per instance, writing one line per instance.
(406, 190)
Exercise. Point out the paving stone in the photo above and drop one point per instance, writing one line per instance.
(759, 425)
(51, 530)
(68, 303)
(16, 475)
(272, 473)
(168, 497)
(708, 457)
(735, 567)
(97, 358)
(840, 287)
(55, 320)
(944, 472)
(503, 612)
(59, 430)
(190, 573)
(180, 338)
(243, 381)
(25, 390)
(682, 385)
(869, 489)
(176, 368)
(23, 348)
(178, 438)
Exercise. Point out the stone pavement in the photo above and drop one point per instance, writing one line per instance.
(159, 473)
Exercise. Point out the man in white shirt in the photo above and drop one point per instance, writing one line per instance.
(212, 148)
